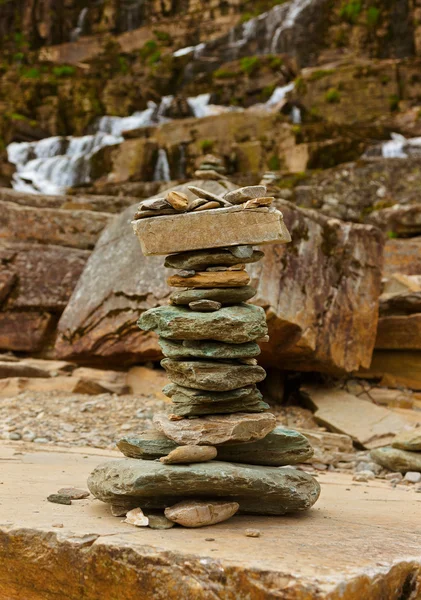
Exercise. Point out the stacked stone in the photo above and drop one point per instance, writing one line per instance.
(210, 338)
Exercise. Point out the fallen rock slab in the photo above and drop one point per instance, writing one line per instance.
(396, 459)
(408, 440)
(258, 490)
(192, 513)
(280, 447)
(370, 425)
(216, 429)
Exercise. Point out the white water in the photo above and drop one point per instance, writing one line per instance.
(54, 164)
(80, 27)
(162, 167)
(292, 10)
(296, 115)
(279, 94)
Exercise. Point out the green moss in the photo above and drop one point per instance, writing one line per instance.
(31, 73)
(350, 11)
(224, 74)
(394, 102)
(267, 92)
(391, 235)
(64, 71)
(206, 145)
(249, 64)
(320, 73)
(163, 37)
(148, 49)
(300, 85)
(373, 17)
(274, 163)
(332, 96)
(275, 62)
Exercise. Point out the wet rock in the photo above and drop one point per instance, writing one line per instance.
(280, 447)
(136, 517)
(208, 279)
(192, 513)
(259, 490)
(189, 454)
(205, 305)
(215, 430)
(233, 324)
(225, 296)
(201, 259)
(213, 376)
(396, 459)
(408, 440)
(59, 499)
(245, 193)
(178, 349)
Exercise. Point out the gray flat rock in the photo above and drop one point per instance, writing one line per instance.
(258, 490)
(205, 305)
(246, 193)
(218, 408)
(222, 295)
(184, 395)
(396, 459)
(201, 259)
(280, 447)
(216, 429)
(213, 376)
(179, 349)
(232, 324)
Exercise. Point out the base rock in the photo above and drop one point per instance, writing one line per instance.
(258, 490)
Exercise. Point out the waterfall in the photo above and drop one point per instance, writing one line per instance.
(292, 10)
(398, 147)
(80, 26)
(199, 105)
(279, 94)
(162, 167)
(131, 14)
(54, 164)
(296, 115)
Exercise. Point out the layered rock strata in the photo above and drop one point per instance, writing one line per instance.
(210, 336)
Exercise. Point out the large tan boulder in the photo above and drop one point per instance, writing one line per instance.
(320, 293)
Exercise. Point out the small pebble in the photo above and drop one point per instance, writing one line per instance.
(209, 539)
(136, 517)
(413, 477)
(186, 274)
(58, 525)
(59, 499)
(253, 533)
(160, 522)
(364, 476)
(15, 436)
(393, 476)
(41, 440)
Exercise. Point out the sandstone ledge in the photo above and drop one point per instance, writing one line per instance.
(96, 556)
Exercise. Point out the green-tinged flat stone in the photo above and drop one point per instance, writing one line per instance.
(280, 447)
(218, 408)
(396, 459)
(232, 324)
(178, 349)
(225, 296)
(180, 394)
(201, 259)
(258, 490)
(213, 376)
(408, 440)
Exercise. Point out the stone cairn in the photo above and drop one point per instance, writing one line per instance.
(218, 450)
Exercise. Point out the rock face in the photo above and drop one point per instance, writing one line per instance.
(324, 319)
(216, 429)
(261, 490)
(279, 448)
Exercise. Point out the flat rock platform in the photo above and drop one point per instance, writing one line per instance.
(361, 541)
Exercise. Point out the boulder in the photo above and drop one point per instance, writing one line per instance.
(399, 332)
(257, 489)
(396, 459)
(408, 440)
(402, 256)
(320, 294)
(400, 220)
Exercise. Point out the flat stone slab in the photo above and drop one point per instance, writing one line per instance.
(279, 448)
(210, 229)
(231, 324)
(257, 489)
(43, 562)
(207, 349)
(212, 375)
(222, 295)
(200, 259)
(216, 429)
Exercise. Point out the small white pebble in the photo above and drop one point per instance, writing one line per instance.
(413, 477)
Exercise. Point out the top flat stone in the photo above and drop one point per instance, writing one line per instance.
(210, 229)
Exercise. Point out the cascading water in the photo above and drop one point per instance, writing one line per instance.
(80, 27)
(131, 14)
(296, 115)
(291, 12)
(279, 94)
(162, 167)
(54, 164)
